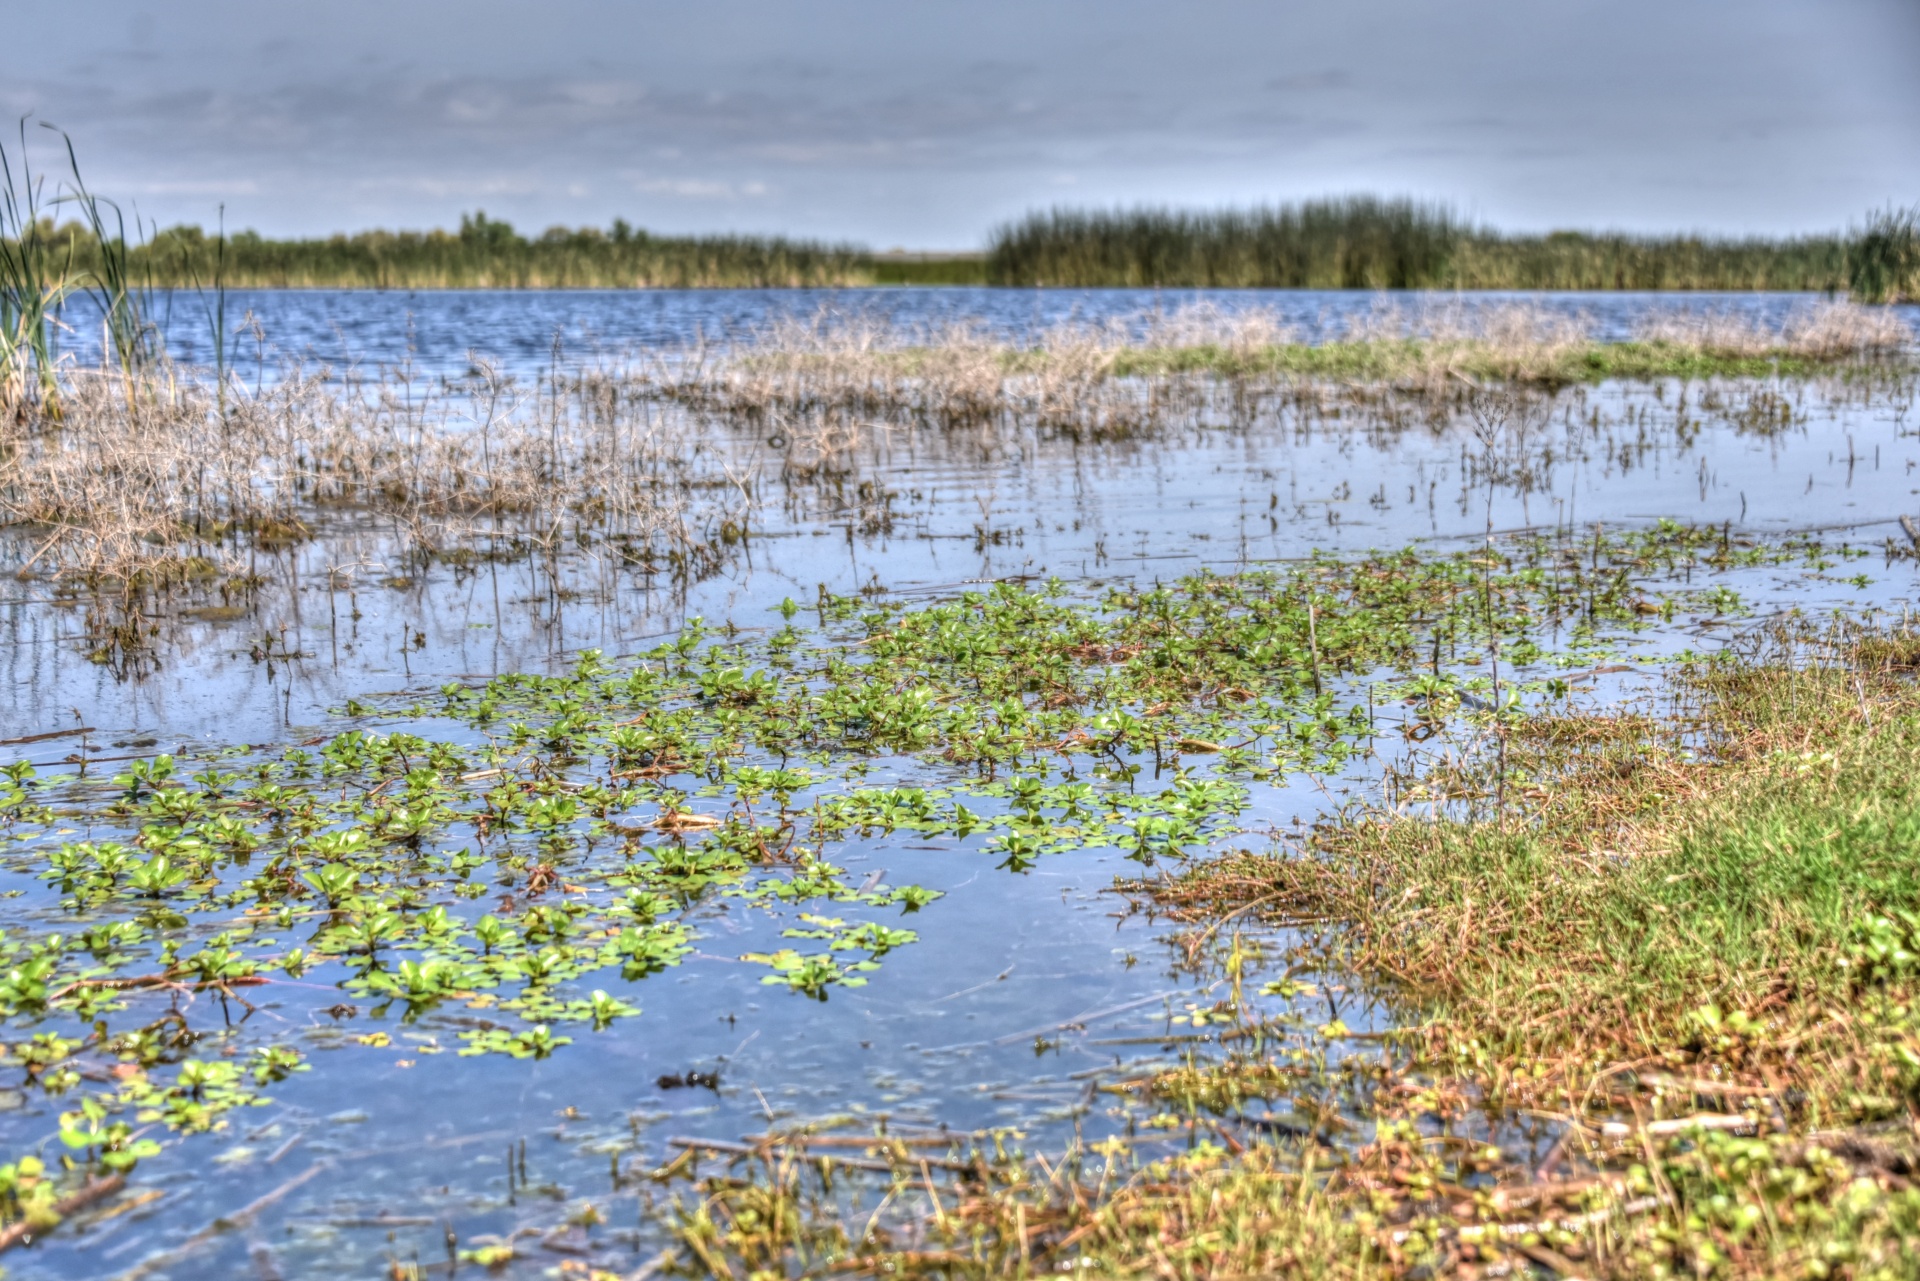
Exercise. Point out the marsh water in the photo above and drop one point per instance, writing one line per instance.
(1027, 989)
(527, 329)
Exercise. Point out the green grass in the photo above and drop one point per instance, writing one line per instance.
(1545, 364)
(1642, 882)
(1727, 895)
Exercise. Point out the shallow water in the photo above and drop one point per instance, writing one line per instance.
(1006, 1011)
(437, 330)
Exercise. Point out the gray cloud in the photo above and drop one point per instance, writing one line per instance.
(924, 124)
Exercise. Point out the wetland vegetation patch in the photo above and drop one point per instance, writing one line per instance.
(497, 868)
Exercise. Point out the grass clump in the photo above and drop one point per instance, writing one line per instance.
(1092, 382)
(1656, 877)
(1886, 257)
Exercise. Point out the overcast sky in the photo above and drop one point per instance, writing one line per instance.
(923, 124)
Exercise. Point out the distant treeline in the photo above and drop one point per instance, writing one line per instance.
(484, 254)
(1354, 243)
(1367, 243)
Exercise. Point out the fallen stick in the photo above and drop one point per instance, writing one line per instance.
(159, 980)
(860, 1141)
(225, 1223)
(1508, 1231)
(1089, 1017)
(99, 1189)
(1732, 1123)
(41, 738)
(747, 1149)
(1912, 531)
(731, 1148)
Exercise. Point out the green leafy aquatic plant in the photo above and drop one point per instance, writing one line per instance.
(536, 1042)
(811, 975)
(332, 881)
(530, 845)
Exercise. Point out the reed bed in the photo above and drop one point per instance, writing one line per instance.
(1886, 257)
(1105, 381)
(131, 481)
(1359, 242)
(484, 254)
(146, 484)
(1364, 242)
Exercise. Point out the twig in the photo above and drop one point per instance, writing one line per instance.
(225, 1223)
(41, 738)
(1732, 1123)
(1575, 1223)
(731, 1148)
(159, 980)
(99, 1189)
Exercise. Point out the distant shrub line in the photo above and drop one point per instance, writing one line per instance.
(1352, 243)
(1366, 243)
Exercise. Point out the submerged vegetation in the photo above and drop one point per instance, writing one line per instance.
(611, 810)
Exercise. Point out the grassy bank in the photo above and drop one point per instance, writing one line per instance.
(1706, 915)
(1684, 948)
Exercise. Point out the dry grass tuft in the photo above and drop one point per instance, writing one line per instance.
(146, 483)
(1111, 381)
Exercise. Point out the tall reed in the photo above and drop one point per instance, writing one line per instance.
(1362, 242)
(1357, 242)
(41, 266)
(1884, 265)
(112, 274)
(487, 253)
(35, 278)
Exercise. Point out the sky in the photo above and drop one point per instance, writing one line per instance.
(924, 124)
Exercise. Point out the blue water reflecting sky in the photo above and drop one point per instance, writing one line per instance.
(438, 329)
